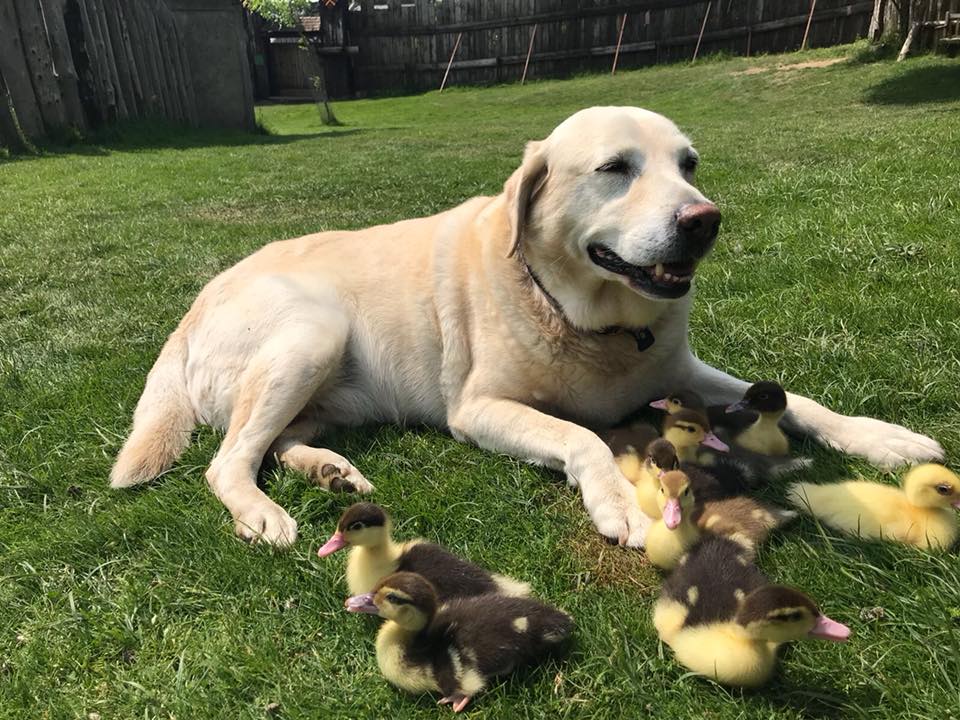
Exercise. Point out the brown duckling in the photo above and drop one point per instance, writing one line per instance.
(725, 620)
(365, 528)
(685, 519)
(457, 647)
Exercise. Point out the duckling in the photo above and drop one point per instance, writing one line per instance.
(679, 400)
(725, 620)
(684, 519)
(921, 514)
(763, 435)
(629, 440)
(456, 648)
(686, 430)
(365, 527)
(660, 457)
(670, 536)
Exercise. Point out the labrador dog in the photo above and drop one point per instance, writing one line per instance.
(516, 321)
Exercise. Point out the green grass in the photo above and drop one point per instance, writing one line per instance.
(836, 273)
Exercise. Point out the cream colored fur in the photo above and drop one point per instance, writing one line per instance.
(435, 320)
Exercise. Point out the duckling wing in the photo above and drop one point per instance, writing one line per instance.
(630, 439)
(856, 507)
(743, 520)
(731, 423)
(450, 575)
(711, 579)
(493, 634)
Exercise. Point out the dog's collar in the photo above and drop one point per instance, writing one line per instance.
(642, 336)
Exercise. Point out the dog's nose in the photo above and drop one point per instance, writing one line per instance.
(698, 225)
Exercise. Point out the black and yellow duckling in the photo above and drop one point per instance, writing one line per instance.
(687, 430)
(921, 514)
(457, 647)
(685, 519)
(751, 423)
(725, 620)
(365, 528)
(763, 434)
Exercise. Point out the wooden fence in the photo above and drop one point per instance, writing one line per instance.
(78, 64)
(405, 45)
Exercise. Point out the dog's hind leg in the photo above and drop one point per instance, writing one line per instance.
(322, 466)
(286, 371)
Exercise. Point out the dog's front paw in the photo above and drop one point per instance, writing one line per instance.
(614, 511)
(885, 444)
(267, 522)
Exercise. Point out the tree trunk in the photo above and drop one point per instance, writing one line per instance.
(98, 15)
(134, 63)
(40, 63)
(876, 20)
(905, 10)
(118, 54)
(11, 134)
(63, 62)
(13, 65)
(105, 106)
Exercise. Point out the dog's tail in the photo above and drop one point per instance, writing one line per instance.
(162, 422)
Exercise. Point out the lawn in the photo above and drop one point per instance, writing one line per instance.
(836, 273)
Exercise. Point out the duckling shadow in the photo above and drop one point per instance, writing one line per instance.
(826, 701)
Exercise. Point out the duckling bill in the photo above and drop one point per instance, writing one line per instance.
(458, 647)
(365, 528)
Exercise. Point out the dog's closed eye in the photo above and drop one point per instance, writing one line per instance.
(615, 165)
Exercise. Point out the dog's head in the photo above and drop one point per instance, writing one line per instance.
(606, 203)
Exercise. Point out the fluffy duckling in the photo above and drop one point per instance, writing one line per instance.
(725, 620)
(629, 440)
(365, 528)
(670, 536)
(456, 648)
(684, 519)
(763, 434)
(686, 430)
(644, 473)
(921, 514)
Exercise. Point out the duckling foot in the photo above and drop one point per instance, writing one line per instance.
(458, 700)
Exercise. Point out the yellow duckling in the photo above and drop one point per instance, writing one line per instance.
(687, 430)
(684, 519)
(365, 528)
(763, 434)
(456, 648)
(724, 620)
(670, 536)
(644, 473)
(921, 514)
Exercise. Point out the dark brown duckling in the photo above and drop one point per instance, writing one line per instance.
(457, 647)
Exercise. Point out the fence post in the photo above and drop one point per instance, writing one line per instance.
(703, 26)
(806, 32)
(526, 64)
(456, 46)
(616, 53)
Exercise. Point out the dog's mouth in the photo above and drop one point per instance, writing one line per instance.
(664, 280)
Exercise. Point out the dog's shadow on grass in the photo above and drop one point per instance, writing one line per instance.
(929, 84)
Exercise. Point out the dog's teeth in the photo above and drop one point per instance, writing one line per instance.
(658, 271)
(668, 277)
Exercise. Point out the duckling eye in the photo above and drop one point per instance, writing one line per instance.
(397, 600)
(358, 525)
(686, 492)
(690, 430)
(944, 489)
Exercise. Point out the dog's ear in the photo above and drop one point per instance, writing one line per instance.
(520, 189)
